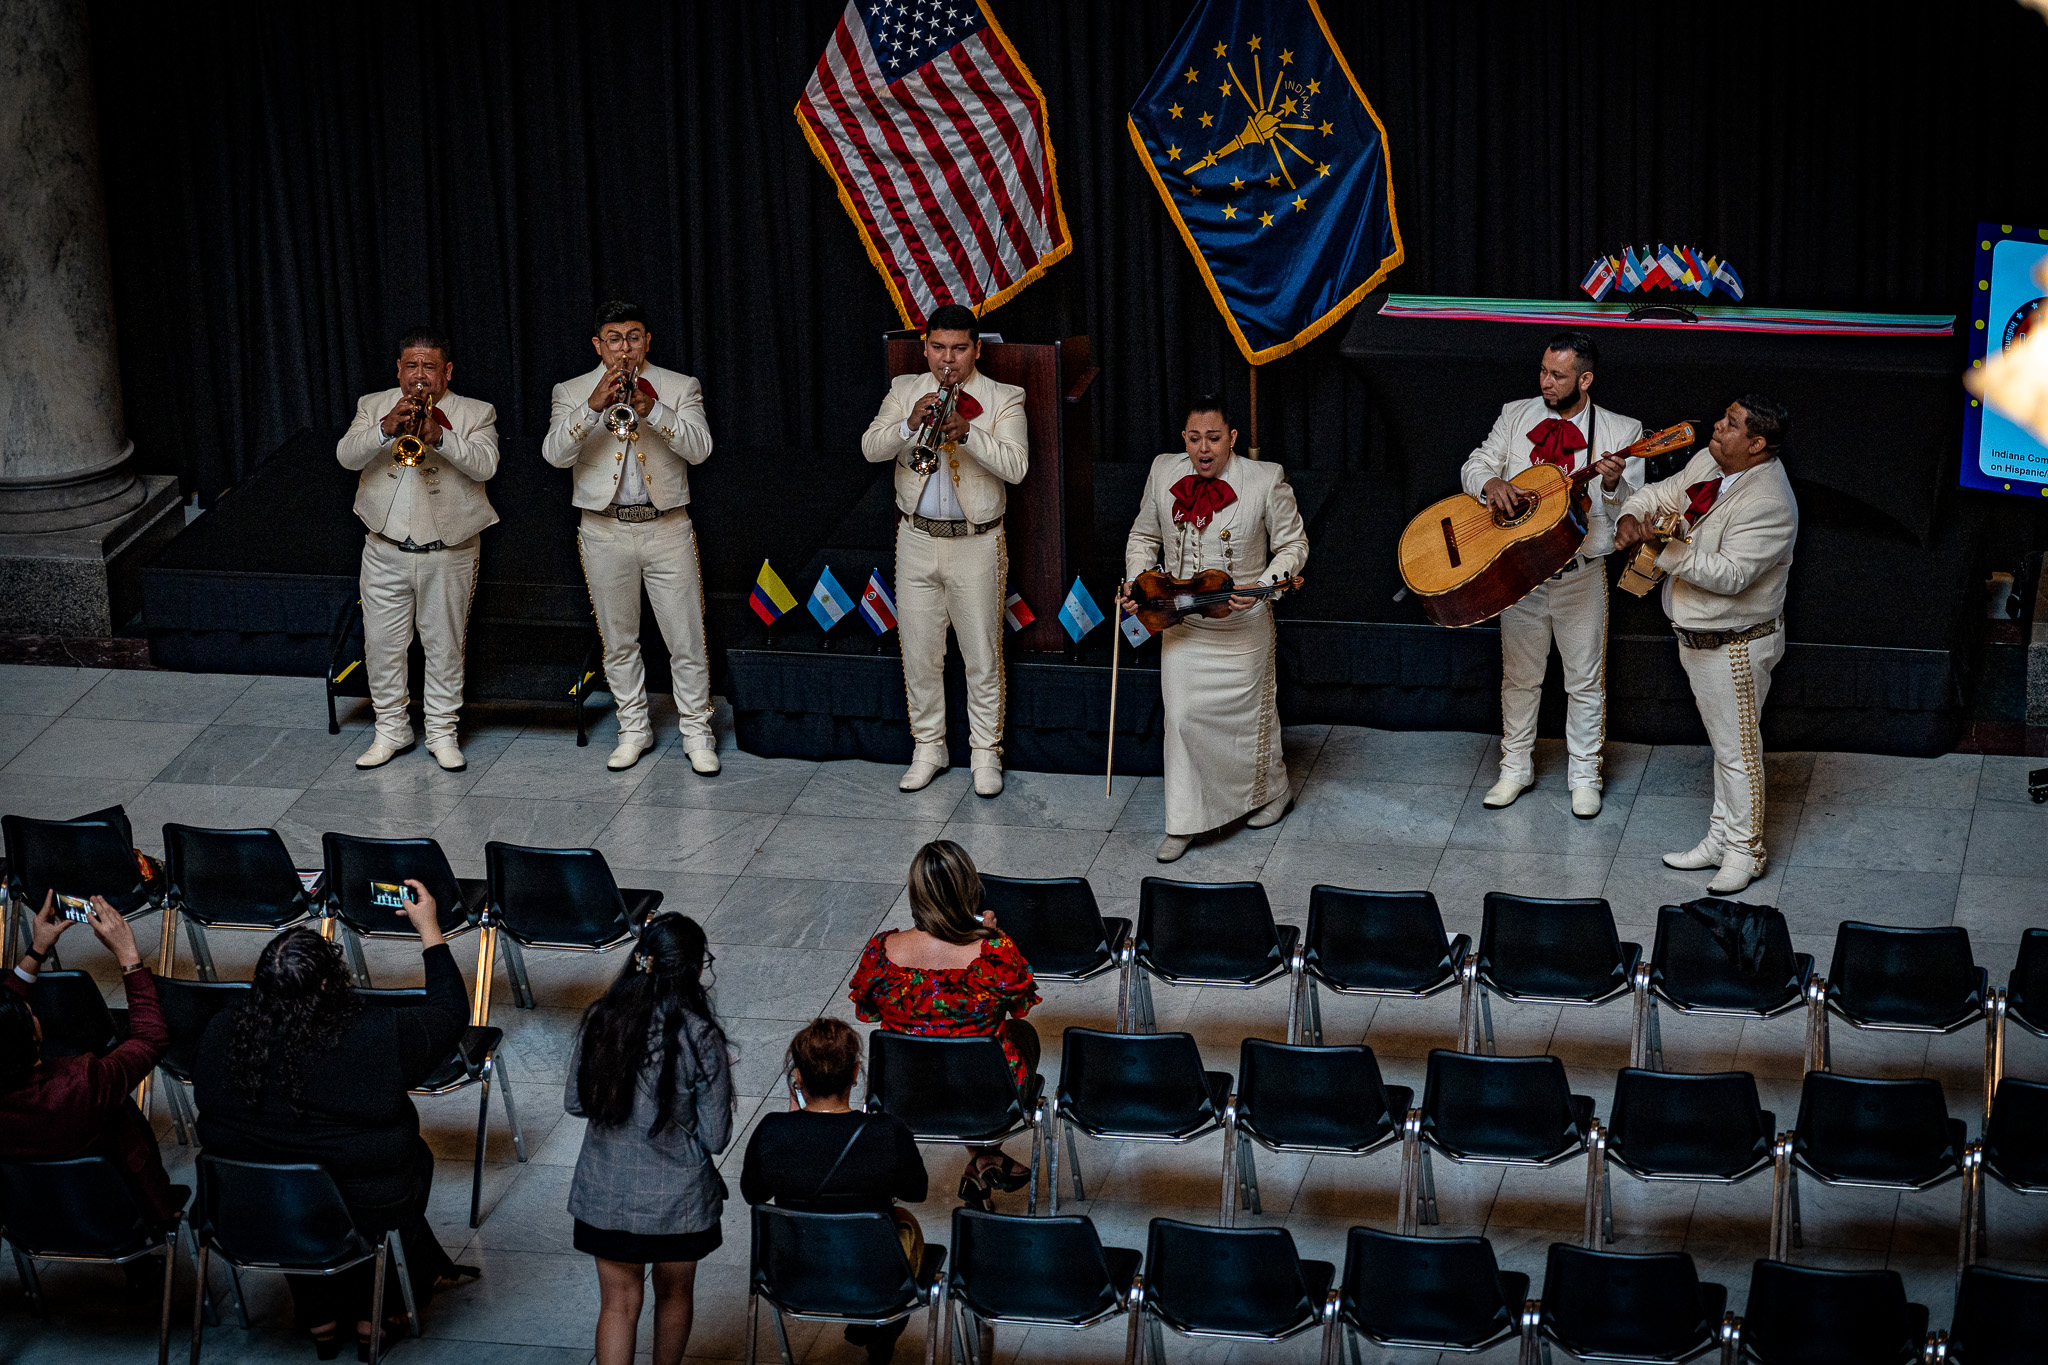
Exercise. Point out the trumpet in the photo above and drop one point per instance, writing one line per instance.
(930, 440)
(620, 418)
(410, 448)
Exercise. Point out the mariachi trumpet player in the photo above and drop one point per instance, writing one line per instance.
(424, 454)
(631, 431)
(957, 439)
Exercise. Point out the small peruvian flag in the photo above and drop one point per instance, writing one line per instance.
(1016, 614)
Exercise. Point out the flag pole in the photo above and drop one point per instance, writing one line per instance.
(1255, 412)
(1115, 654)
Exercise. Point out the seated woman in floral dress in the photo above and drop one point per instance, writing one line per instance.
(955, 975)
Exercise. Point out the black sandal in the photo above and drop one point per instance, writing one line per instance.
(974, 1191)
(1008, 1175)
(327, 1345)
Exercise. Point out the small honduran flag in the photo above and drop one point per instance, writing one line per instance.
(1599, 280)
(877, 607)
(1078, 613)
(1017, 613)
(829, 602)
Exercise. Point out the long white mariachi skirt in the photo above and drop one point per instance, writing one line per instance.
(1222, 740)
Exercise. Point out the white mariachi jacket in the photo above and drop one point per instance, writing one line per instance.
(1505, 453)
(673, 436)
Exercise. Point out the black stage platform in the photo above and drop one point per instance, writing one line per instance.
(1883, 596)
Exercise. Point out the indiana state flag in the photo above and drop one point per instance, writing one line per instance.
(1273, 166)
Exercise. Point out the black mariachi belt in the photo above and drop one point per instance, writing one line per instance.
(1716, 639)
(951, 530)
(410, 547)
(635, 512)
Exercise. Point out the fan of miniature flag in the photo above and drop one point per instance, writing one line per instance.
(771, 598)
(1667, 267)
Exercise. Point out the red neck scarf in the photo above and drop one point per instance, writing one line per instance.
(1555, 438)
(1198, 500)
(964, 404)
(1700, 498)
(442, 418)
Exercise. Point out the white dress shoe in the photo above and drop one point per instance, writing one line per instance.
(1585, 802)
(918, 776)
(704, 761)
(381, 752)
(1699, 856)
(1737, 871)
(1272, 813)
(450, 758)
(1503, 793)
(1173, 845)
(627, 754)
(988, 781)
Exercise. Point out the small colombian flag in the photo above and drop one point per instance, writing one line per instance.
(771, 598)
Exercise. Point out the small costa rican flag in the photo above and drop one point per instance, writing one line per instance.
(1016, 613)
(1599, 279)
(877, 607)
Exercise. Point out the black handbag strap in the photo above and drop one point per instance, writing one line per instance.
(837, 1161)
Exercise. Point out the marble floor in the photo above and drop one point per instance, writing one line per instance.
(791, 866)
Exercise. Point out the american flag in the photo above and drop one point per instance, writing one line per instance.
(934, 132)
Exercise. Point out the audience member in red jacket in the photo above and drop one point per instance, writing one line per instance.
(57, 1108)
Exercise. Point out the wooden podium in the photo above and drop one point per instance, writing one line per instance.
(1050, 516)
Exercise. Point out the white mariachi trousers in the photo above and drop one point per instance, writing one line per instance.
(958, 581)
(1221, 744)
(428, 592)
(1572, 611)
(619, 558)
(1729, 684)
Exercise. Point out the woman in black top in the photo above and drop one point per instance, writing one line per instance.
(304, 1071)
(821, 1157)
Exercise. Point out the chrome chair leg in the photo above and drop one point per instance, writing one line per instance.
(1297, 985)
(753, 1326)
(1596, 1173)
(1037, 1160)
(1233, 1170)
(198, 1303)
(1126, 964)
(1994, 1040)
(483, 1130)
(202, 954)
(1656, 1048)
(782, 1334)
(1639, 1021)
(1967, 1230)
(163, 1328)
(1486, 1017)
(1248, 1166)
(515, 971)
(1781, 1197)
(1134, 1317)
(505, 1097)
(404, 1278)
(1468, 980)
(1429, 1214)
(1315, 1014)
(1074, 1163)
(1052, 1157)
(352, 949)
(1407, 1213)
(377, 1300)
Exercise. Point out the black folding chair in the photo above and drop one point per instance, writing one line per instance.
(563, 899)
(957, 1091)
(476, 1060)
(1230, 1284)
(1056, 925)
(2024, 999)
(92, 855)
(846, 1268)
(189, 1006)
(1799, 1315)
(2014, 1151)
(1327, 1101)
(1871, 1134)
(1130, 1087)
(352, 863)
(1033, 1272)
(1389, 944)
(1611, 1305)
(287, 1219)
(83, 1210)
(1492, 1111)
(1545, 952)
(1218, 934)
(2001, 1318)
(1694, 974)
(75, 1018)
(230, 879)
(1707, 1129)
(1892, 980)
(1427, 1293)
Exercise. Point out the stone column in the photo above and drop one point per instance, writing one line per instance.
(75, 519)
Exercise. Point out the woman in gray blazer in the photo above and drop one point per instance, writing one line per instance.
(652, 1074)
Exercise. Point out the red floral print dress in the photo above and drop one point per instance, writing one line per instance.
(953, 1002)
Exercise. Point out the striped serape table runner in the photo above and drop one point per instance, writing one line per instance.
(1712, 317)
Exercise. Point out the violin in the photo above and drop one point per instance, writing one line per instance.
(1163, 601)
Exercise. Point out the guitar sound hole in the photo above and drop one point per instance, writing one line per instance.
(1529, 505)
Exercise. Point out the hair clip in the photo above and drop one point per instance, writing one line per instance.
(644, 962)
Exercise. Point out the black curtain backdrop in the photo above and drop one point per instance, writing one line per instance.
(289, 185)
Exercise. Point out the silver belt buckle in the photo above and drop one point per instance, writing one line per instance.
(641, 511)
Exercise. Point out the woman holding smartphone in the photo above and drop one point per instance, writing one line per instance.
(302, 1071)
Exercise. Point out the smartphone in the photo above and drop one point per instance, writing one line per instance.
(77, 909)
(388, 894)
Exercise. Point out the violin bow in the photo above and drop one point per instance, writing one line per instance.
(1115, 655)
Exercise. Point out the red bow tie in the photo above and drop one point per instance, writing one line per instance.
(1199, 500)
(647, 389)
(965, 405)
(1700, 497)
(442, 418)
(1555, 439)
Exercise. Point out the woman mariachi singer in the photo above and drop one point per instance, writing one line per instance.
(1209, 509)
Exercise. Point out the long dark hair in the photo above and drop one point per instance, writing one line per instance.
(300, 1003)
(662, 980)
